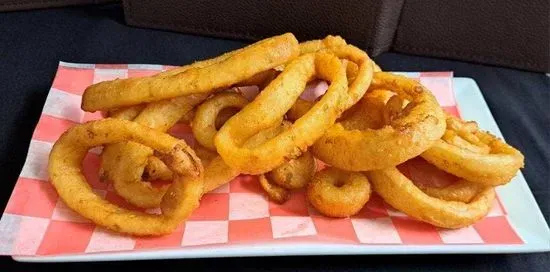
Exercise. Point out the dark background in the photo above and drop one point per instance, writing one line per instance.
(32, 43)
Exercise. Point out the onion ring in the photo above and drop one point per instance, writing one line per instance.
(359, 77)
(130, 165)
(217, 172)
(338, 193)
(263, 113)
(128, 113)
(496, 168)
(123, 163)
(295, 173)
(359, 70)
(66, 176)
(462, 191)
(155, 169)
(329, 41)
(223, 116)
(261, 79)
(187, 118)
(374, 112)
(203, 124)
(368, 113)
(218, 73)
(299, 109)
(438, 183)
(301, 106)
(451, 137)
(400, 192)
(276, 193)
(417, 129)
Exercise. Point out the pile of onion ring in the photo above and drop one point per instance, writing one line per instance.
(376, 131)
(426, 187)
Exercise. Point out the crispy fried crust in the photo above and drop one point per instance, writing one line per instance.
(400, 192)
(338, 193)
(66, 176)
(496, 168)
(201, 77)
(417, 129)
(270, 107)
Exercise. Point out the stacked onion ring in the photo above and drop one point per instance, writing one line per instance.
(457, 204)
(369, 127)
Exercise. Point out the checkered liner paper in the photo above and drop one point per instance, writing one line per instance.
(37, 222)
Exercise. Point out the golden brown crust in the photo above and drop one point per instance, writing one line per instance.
(338, 193)
(67, 178)
(416, 129)
(496, 168)
(200, 77)
(400, 192)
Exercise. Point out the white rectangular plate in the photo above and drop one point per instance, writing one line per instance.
(524, 215)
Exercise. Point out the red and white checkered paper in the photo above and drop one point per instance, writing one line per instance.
(37, 222)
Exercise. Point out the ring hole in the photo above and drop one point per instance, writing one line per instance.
(224, 115)
(339, 183)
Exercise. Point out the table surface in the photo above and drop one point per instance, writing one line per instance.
(32, 43)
